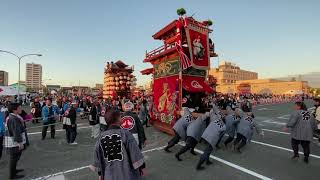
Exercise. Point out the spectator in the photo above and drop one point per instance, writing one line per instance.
(2, 129)
(117, 155)
(302, 125)
(16, 139)
(49, 113)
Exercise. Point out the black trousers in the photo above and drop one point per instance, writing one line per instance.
(176, 138)
(206, 154)
(14, 156)
(190, 144)
(241, 138)
(318, 134)
(228, 140)
(45, 128)
(219, 140)
(305, 146)
(1, 145)
(146, 121)
(71, 133)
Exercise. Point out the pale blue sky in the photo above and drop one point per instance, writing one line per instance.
(76, 37)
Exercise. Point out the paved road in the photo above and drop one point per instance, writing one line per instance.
(263, 158)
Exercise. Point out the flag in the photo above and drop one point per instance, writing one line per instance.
(184, 59)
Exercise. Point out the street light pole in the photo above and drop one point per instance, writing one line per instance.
(19, 81)
(19, 61)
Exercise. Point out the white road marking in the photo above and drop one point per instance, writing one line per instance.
(274, 122)
(59, 130)
(286, 117)
(61, 173)
(277, 147)
(235, 166)
(282, 148)
(231, 164)
(265, 109)
(85, 167)
(281, 132)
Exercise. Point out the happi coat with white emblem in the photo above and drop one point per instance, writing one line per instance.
(117, 155)
(180, 127)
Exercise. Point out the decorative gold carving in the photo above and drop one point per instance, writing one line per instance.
(167, 99)
(163, 98)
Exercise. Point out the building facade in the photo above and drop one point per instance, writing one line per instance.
(33, 76)
(52, 87)
(99, 86)
(228, 73)
(4, 78)
(80, 90)
(265, 86)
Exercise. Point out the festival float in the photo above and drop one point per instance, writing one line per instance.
(179, 67)
(118, 80)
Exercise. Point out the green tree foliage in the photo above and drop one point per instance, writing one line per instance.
(181, 11)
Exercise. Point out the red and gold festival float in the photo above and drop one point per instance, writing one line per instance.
(180, 67)
(118, 80)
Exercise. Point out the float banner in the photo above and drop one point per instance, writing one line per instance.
(166, 98)
(198, 43)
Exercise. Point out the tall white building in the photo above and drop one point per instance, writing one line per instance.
(33, 76)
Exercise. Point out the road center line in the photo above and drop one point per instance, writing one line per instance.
(59, 130)
(231, 164)
(282, 148)
(264, 109)
(235, 166)
(85, 167)
(274, 122)
(279, 147)
(286, 116)
(280, 132)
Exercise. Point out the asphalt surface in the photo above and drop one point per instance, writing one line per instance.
(264, 158)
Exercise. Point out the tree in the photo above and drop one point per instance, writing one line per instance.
(181, 11)
(209, 22)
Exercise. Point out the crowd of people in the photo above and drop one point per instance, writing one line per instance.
(64, 110)
(117, 127)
